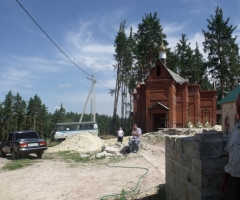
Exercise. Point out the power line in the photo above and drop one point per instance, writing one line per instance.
(56, 44)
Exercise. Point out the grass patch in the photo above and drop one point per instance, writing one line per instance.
(52, 143)
(74, 156)
(18, 164)
(122, 196)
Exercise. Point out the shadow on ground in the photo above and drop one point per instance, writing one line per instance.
(159, 196)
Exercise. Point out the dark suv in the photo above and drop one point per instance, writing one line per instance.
(22, 143)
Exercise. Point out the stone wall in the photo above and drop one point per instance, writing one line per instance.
(195, 166)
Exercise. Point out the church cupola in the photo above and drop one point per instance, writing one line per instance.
(162, 54)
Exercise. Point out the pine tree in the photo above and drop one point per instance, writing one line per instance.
(33, 110)
(59, 115)
(185, 59)
(1, 121)
(148, 39)
(129, 78)
(223, 53)
(19, 112)
(200, 74)
(8, 121)
(172, 61)
(120, 58)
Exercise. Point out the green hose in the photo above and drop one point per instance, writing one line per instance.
(131, 191)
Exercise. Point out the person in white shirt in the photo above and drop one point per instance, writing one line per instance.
(231, 180)
(120, 134)
(136, 138)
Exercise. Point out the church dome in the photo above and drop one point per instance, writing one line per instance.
(162, 48)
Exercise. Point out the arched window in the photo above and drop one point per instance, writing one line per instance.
(158, 70)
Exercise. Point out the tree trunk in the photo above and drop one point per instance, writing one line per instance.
(117, 89)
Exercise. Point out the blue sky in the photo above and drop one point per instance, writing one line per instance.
(85, 30)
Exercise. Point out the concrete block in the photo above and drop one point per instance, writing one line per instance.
(209, 135)
(172, 166)
(111, 150)
(175, 156)
(195, 180)
(210, 149)
(179, 143)
(170, 141)
(203, 149)
(193, 193)
(195, 172)
(167, 151)
(186, 161)
(214, 195)
(213, 166)
(171, 180)
(183, 189)
(191, 147)
(197, 165)
(211, 183)
(182, 172)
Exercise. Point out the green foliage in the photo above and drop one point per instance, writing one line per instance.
(122, 195)
(18, 164)
(16, 114)
(185, 59)
(223, 53)
(7, 121)
(19, 108)
(124, 59)
(172, 60)
(148, 39)
(74, 156)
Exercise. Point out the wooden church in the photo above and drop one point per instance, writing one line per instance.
(166, 100)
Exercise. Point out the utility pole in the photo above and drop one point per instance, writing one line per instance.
(93, 103)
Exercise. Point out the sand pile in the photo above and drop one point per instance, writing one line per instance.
(83, 142)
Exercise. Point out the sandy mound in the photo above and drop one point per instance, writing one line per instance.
(84, 142)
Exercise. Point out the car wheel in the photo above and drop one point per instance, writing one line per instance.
(1, 153)
(14, 155)
(39, 154)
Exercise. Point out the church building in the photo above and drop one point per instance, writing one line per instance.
(166, 100)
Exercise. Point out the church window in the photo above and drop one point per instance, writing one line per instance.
(158, 70)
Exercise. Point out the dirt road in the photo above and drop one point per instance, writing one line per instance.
(58, 179)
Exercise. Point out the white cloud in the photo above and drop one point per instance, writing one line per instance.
(88, 53)
(172, 28)
(65, 85)
(199, 38)
(15, 76)
(98, 48)
(27, 85)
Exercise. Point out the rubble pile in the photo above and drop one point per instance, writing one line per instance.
(84, 143)
(87, 144)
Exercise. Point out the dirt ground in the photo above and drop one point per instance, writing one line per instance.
(58, 179)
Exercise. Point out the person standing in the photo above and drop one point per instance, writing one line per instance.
(227, 123)
(136, 138)
(120, 134)
(231, 180)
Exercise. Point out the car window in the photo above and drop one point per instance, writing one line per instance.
(9, 137)
(26, 135)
